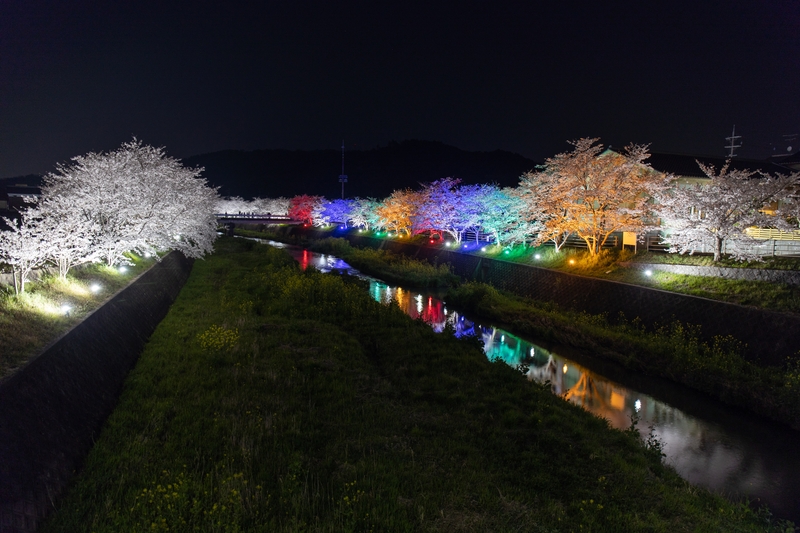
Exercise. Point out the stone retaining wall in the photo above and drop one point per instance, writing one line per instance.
(52, 409)
(770, 336)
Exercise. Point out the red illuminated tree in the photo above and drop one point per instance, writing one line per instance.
(301, 208)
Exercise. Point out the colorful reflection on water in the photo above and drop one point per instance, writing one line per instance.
(715, 447)
(567, 378)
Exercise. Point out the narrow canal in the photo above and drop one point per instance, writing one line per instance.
(708, 443)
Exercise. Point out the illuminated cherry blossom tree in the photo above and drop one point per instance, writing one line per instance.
(503, 216)
(24, 247)
(231, 205)
(397, 211)
(471, 208)
(70, 235)
(438, 208)
(364, 213)
(717, 215)
(337, 211)
(301, 207)
(272, 206)
(136, 199)
(542, 212)
(592, 194)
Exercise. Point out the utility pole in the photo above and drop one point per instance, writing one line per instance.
(732, 140)
(342, 176)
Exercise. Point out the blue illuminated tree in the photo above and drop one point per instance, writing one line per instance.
(337, 211)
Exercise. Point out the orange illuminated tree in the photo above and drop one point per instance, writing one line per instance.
(592, 193)
(398, 210)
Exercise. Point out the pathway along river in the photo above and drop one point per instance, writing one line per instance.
(708, 443)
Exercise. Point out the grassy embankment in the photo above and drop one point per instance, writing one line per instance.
(31, 320)
(775, 296)
(271, 399)
(673, 350)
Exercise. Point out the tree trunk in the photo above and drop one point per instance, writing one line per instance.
(717, 248)
(63, 268)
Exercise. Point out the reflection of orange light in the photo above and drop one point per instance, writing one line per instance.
(617, 400)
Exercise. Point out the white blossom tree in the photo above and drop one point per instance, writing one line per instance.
(231, 205)
(69, 234)
(272, 206)
(24, 247)
(717, 215)
(137, 199)
(364, 213)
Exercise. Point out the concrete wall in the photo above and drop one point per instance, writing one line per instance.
(789, 277)
(770, 336)
(52, 409)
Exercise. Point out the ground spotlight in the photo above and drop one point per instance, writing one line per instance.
(65, 309)
(122, 269)
(483, 249)
(571, 261)
(95, 287)
(537, 256)
(648, 273)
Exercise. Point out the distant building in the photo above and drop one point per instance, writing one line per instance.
(17, 192)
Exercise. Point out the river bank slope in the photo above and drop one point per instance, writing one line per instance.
(275, 400)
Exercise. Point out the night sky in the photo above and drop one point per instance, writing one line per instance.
(524, 76)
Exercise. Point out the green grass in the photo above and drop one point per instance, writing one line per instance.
(271, 399)
(767, 295)
(33, 319)
(775, 263)
(672, 350)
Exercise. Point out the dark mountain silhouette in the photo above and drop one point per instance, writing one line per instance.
(371, 173)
